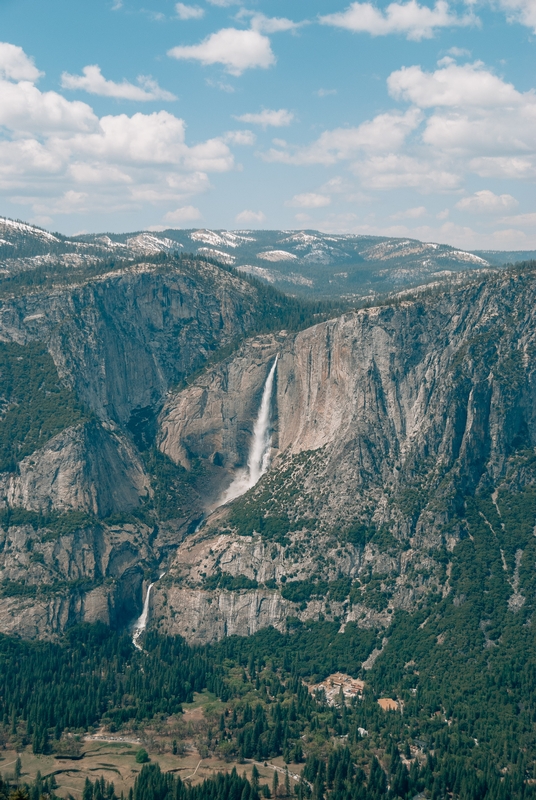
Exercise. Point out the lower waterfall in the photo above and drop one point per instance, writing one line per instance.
(259, 451)
(141, 623)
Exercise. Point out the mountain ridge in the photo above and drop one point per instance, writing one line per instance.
(305, 262)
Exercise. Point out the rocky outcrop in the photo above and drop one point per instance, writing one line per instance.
(84, 468)
(52, 581)
(123, 338)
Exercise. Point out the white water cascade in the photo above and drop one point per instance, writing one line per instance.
(141, 623)
(259, 451)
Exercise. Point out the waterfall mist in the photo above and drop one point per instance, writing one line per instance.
(259, 451)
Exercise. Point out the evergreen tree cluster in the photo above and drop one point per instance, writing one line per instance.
(94, 675)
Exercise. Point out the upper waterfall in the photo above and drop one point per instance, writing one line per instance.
(259, 451)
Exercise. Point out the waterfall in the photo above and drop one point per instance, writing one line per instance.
(141, 623)
(259, 451)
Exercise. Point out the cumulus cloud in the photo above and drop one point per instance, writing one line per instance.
(263, 24)
(486, 202)
(237, 50)
(516, 168)
(93, 81)
(59, 157)
(309, 200)
(383, 133)
(267, 117)
(453, 86)
(15, 65)
(184, 214)
(475, 114)
(189, 12)
(522, 11)
(459, 52)
(415, 21)
(26, 109)
(248, 216)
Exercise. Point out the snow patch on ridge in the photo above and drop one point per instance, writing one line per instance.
(277, 255)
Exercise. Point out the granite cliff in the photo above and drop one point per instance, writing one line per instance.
(388, 425)
(385, 421)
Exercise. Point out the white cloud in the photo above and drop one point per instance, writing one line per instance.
(237, 50)
(250, 216)
(325, 92)
(516, 168)
(452, 86)
(512, 239)
(486, 202)
(94, 82)
(184, 214)
(337, 185)
(267, 117)
(410, 213)
(15, 65)
(24, 108)
(259, 22)
(59, 157)
(104, 174)
(396, 171)
(522, 11)
(189, 12)
(523, 220)
(309, 200)
(247, 138)
(475, 114)
(416, 21)
(459, 52)
(383, 133)
(150, 139)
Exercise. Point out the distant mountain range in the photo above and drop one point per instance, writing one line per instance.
(307, 263)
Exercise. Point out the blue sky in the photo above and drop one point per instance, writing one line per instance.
(407, 118)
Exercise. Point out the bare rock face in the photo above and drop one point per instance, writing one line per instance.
(52, 581)
(123, 338)
(384, 421)
(85, 468)
(202, 616)
(380, 391)
(119, 340)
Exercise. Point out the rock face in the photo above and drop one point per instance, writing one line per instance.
(120, 340)
(384, 420)
(449, 382)
(53, 581)
(86, 468)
